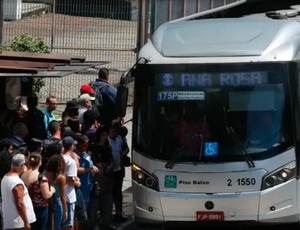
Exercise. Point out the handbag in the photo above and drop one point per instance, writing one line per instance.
(80, 207)
(126, 161)
(124, 157)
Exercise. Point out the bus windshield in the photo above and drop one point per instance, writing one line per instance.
(212, 112)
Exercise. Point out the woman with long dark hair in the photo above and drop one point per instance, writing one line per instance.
(54, 171)
(39, 190)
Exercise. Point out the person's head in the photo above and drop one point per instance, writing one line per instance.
(32, 101)
(114, 130)
(123, 131)
(20, 130)
(86, 88)
(101, 134)
(103, 74)
(70, 133)
(54, 148)
(89, 118)
(34, 160)
(6, 145)
(82, 143)
(86, 100)
(68, 143)
(55, 166)
(72, 108)
(54, 127)
(34, 145)
(74, 124)
(51, 103)
(18, 163)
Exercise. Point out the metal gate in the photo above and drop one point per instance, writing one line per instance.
(100, 30)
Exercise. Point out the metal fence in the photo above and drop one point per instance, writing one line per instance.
(101, 30)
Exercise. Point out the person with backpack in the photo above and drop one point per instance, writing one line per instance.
(106, 95)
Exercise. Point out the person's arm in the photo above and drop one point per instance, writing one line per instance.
(46, 119)
(73, 181)
(61, 182)
(82, 170)
(71, 176)
(18, 193)
(125, 147)
(46, 189)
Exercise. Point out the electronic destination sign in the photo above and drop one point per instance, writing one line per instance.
(190, 86)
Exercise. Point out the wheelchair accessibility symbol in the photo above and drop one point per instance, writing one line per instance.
(211, 149)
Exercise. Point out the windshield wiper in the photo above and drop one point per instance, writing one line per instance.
(175, 158)
(237, 140)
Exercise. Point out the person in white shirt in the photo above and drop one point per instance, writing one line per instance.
(85, 103)
(72, 180)
(16, 203)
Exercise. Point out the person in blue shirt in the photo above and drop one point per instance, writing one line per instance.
(51, 104)
(85, 169)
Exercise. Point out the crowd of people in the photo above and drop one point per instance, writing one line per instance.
(66, 173)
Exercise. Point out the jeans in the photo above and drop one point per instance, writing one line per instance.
(41, 214)
(58, 214)
(104, 203)
(71, 211)
(117, 191)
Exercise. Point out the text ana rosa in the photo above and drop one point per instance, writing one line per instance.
(190, 182)
(224, 79)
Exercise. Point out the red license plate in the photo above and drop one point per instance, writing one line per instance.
(210, 216)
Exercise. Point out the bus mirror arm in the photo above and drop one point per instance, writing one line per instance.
(128, 76)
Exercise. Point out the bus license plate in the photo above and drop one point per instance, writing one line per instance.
(210, 216)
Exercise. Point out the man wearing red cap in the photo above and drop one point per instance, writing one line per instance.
(86, 88)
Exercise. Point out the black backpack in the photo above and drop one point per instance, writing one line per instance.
(98, 103)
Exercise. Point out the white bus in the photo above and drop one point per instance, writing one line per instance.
(216, 124)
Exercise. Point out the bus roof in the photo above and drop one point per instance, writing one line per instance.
(225, 40)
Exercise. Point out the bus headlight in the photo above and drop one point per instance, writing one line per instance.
(284, 174)
(279, 176)
(139, 176)
(144, 178)
(271, 180)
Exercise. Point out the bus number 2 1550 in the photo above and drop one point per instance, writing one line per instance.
(242, 182)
